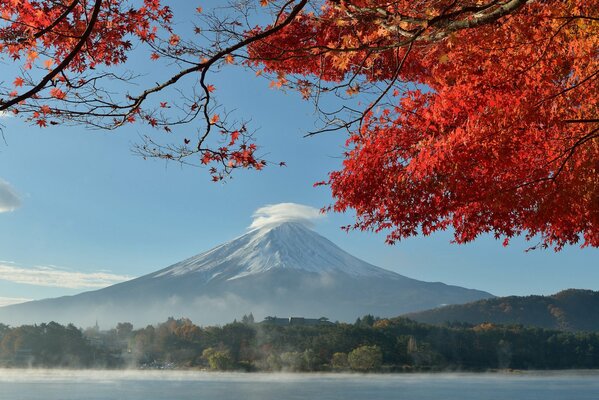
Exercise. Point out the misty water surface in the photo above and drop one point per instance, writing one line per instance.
(154, 385)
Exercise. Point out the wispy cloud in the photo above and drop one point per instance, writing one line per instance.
(7, 301)
(274, 214)
(9, 199)
(56, 277)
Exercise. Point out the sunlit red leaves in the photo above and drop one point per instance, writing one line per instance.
(477, 142)
(206, 158)
(353, 90)
(234, 137)
(57, 93)
(152, 121)
(39, 51)
(483, 146)
(229, 59)
(107, 44)
(238, 153)
(174, 40)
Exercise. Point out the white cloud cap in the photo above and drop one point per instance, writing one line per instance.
(275, 214)
(9, 200)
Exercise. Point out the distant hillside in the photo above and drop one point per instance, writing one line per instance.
(569, 310)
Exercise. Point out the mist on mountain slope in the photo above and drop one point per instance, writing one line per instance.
(279, 268)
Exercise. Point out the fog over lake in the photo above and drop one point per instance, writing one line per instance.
(184, 385)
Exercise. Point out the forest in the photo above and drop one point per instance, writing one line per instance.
(369, 345)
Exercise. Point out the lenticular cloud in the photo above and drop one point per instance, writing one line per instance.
(275, 214)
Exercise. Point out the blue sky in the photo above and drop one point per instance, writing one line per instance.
(86, 205)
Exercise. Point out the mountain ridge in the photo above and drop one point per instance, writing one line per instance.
(285, 269)
(567, 310)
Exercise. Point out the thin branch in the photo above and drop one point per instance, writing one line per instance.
(70, 57)
(62, 16)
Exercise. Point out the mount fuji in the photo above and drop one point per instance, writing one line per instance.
(281, 269)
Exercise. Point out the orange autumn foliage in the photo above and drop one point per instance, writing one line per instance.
(482, 115)
(499, 133)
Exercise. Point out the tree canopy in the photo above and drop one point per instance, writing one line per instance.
(477, 115)
(390, 345)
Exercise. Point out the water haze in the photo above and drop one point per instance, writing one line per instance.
(188, 385)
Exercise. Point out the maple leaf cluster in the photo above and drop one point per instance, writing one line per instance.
(475, 115)
(55, 43)
(64, 51)
(30, 28)
(497, 133)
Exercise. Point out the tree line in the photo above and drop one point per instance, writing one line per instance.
(369, 344)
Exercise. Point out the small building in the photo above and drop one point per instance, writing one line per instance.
(296, 321)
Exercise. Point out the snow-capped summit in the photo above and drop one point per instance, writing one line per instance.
(280, 267)
(285, 245)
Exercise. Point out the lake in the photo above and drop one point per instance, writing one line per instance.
(188, 385)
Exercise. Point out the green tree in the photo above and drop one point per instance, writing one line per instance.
(365, 358)
(124, 329)
(218, 360)
(273, 362)
(248, 319)
(339, 361)
(312, 361)
(292, 361)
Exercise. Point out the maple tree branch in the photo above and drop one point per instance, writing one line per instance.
(205, 66)
(62, 16)
(445, 22)
(567, 153)
(581, 121)
(569, 88)
(570, 152)
(383, 93)
(45, 30)
(501, 11)
(388, 88)
(579, 17)
(60, 67)
(282, 10)
(547, 45)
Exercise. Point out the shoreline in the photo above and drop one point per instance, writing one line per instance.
(207, 372)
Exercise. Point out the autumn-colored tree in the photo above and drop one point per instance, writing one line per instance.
(69, 60)
(485, 116)
(479, 115)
